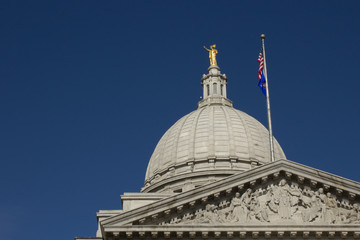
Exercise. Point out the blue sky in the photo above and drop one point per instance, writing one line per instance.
(87, 88)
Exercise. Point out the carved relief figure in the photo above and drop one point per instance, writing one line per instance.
(257, 211)
(284, 200)
(295, 197)
(271, 200)
(322, 199)
(208, 214)
(313, 208)
(354, 215)
(222, 215)
(239, 210)
(331, 209)
(281, 198)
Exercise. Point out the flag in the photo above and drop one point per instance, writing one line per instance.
(261, 75)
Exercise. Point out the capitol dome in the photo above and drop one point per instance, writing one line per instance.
(208, 144)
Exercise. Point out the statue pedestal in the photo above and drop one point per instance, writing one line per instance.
(213, 69)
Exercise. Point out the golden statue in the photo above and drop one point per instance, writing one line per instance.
(212, 54)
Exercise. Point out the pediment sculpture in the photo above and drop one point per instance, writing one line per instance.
(278, 202)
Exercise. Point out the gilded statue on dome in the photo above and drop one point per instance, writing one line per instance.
(212, 54)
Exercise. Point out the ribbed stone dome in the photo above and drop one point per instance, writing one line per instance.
(215, 139)
(208, 144)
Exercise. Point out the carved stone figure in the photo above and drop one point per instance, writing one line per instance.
(354, 215)
(222, 215)
(295, 196)
(331, 209)
(208, 214)
(280, 200)
(257, 211)
(271, 200)
(239, 210)
(322, 199)
(284, 200)
(313, 208)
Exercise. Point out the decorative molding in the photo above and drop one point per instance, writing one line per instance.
(250, 233)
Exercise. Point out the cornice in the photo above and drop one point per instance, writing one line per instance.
(238, 232)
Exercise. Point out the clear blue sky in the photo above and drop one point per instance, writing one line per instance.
(87, 88)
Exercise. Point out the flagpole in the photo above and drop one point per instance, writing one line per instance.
(268, 102)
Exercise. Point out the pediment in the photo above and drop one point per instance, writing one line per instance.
(279, 194)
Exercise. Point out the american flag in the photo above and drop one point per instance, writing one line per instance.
(262, 80)
(261, 67)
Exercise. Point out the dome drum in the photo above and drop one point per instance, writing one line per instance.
(187, 181)
(202, 167)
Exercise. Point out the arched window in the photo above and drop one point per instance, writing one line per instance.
(208, 90)
(215, 88)
(221, 90)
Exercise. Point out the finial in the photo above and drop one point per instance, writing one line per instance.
(212, 54)
(262, 36)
